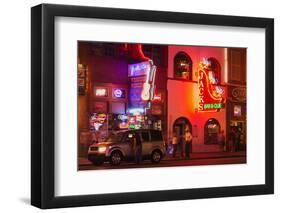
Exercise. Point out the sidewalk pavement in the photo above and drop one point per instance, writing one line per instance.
(193, 156)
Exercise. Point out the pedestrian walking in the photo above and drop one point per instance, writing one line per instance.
(187, 140)
(232, 139)
(137, 148)
(175, 144)
(182, 145)
(221, 140)
(237, 140)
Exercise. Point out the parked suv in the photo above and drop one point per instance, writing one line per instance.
(119, 147)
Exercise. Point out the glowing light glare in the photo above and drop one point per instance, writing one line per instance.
(102, 149)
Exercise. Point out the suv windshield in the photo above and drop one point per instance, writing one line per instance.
(114, 137)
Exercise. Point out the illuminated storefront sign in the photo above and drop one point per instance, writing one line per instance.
(124, 125)
(132, 119)
(97, 120)
(142, 78)
(101, 92)
(139, 69)
(210, 95)
(237, 110)
(148, 86)
(132, 122)
(119, 93)
(99, 106)
(123, 117)
(156, 109)
(157, 97)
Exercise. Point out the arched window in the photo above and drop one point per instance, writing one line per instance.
(212, 129)
(183, 66)
(215, 71)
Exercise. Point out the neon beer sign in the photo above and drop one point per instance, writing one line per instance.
(210, 96)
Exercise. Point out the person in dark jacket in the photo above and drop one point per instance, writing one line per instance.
(137, 148)
(232, 139)
(187, 141)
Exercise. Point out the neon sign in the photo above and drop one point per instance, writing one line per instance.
(101, 92)
(210, 96)
(119, 93)
(157, 97)
(138, 69)
(97, 120)
(148, 86)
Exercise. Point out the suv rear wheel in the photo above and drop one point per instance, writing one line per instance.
(115, 158)
(156, 156)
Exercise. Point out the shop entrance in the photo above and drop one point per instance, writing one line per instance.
(180, 125)
(212, 129)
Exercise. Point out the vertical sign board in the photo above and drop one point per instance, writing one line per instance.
(137, 74)
(142, 77)
(210, 96)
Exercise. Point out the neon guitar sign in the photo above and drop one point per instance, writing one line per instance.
(148, 86)
(210, 95)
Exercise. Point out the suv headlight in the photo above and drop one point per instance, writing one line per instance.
(102, 149)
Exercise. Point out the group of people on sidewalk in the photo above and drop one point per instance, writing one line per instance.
(185, 142)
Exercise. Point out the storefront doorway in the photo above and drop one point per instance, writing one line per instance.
(180, 125)
(212, 129)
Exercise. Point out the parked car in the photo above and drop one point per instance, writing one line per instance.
(119, 147)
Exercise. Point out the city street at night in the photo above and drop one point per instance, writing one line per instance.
(196, 159)
(142, 101)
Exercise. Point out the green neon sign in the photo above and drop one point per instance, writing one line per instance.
(213, 106)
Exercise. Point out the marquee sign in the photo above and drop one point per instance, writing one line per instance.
(210, 95)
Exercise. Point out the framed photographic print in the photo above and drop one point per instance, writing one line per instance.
(140, 106)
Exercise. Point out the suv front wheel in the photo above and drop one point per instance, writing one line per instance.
(156, 156)
(115, 158)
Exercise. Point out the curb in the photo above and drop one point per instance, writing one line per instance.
(179, 159)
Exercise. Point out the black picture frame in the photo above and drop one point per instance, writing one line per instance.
(43, 105)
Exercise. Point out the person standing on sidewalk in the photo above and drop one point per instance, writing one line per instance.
(237, 140)
(175, 144)
(232, 139)
(221, 140)
(187, 140)
(138, 149)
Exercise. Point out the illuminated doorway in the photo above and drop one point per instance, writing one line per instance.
(180, 125)
(212, 129)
